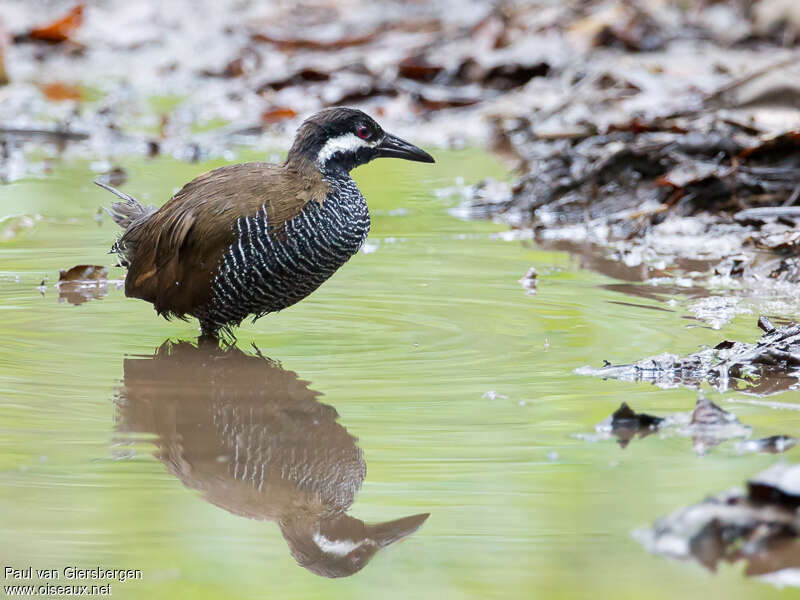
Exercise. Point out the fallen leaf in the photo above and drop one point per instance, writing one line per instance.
(625, 424)
(759, 527)
(59, 91)
(287, 42)
(60, 30)
(82, 283)
(277, 114)
(418, 68)
(83, 273)
(3, 44)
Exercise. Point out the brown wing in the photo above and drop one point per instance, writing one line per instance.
(175, 253)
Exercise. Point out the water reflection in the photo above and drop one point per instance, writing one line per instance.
(255, 441)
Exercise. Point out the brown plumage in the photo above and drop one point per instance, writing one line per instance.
(177, 249)
(255, 440)
(254, 238)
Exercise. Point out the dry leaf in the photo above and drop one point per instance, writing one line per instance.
(59, 91)
(60, 30)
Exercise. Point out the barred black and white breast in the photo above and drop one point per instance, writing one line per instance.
(254, 238)
(265, 271)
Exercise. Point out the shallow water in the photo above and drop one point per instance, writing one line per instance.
(458, 386)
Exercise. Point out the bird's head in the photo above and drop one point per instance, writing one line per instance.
(340, 139)
(339, 545)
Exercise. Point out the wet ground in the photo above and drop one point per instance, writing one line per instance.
(456, 384)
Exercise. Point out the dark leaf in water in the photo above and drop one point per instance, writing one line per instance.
(626, 424)
(82, 283)
(625, 417)
(83, 273)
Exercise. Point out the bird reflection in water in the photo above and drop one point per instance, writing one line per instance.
(255, 441)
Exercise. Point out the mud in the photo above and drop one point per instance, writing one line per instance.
(769, 366)
(758, 526)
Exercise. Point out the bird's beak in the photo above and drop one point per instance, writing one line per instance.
(387, 533)
(394, 147)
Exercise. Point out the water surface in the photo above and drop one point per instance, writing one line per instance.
(452, 385)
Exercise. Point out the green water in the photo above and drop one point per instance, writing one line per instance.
(404, 342)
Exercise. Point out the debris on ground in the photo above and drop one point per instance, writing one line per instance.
(708, 425)
(759, 526)
(625, 424)
(530, 281)
(567, 89)
(774, 444)
(769, 366)
(82, 283)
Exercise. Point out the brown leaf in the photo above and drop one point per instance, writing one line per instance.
(277, 114)
(418, 68)
(235, 68)
(59, 91)
(304, 75)
(286, 42)
(3, 44)
(60, 30)
(83, 273)
(248, 60)
(82, 283)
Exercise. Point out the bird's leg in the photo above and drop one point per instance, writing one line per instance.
(209, 334)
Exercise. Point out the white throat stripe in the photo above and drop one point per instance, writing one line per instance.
(343, 143)
(337, 547)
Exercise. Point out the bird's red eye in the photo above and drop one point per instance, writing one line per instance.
(362, 132)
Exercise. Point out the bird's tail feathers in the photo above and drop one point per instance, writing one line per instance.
(128, 211)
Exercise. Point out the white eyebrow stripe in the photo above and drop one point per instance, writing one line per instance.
(343, 143)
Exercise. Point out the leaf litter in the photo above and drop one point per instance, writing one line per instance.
(758, 526)
(82, 283)
(768, 366)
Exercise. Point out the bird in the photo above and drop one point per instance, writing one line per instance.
(254, 440)
(254, 238)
